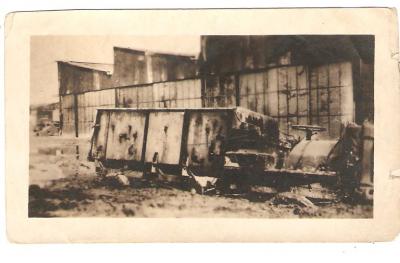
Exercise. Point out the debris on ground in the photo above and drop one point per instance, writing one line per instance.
(70, 189)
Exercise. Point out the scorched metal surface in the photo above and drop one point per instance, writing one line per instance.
(195, 137)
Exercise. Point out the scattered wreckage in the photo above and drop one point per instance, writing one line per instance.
(226, 149)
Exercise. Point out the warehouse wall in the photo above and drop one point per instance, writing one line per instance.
(129, 67)
(133, 67)
(173, 94)
(74, 79)
(88, 103)
(319, 95)
(68, 114)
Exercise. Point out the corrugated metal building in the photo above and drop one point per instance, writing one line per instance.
(321, 80)
(83, 87)
(138, 79)
(132, 67)
(146, 79)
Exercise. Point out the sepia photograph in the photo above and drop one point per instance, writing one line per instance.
(202, 126)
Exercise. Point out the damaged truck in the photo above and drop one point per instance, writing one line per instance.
(231, 149)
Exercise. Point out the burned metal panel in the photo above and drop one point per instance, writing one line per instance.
(309, 156)
(99, 141)
(261, 129)
(207, 134)
(126, 135)
(164, 137)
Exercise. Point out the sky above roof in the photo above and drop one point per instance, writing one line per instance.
(46, 50)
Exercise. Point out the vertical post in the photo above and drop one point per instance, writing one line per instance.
(76, 115)
(60, 94)
(146, 131)
(237, 89)
(185, 134)
(203, 90)
(328, 90)
(116, 98)
(309, 69)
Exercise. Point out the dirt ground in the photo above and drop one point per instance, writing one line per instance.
(63, 184)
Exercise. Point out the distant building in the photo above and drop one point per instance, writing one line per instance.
(78, 82)
(319, 80)
(316, 80)
(77, 77)
(44, 112)
(132, 67)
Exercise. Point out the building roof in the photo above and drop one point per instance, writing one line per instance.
(155, 53)
(103, 67)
